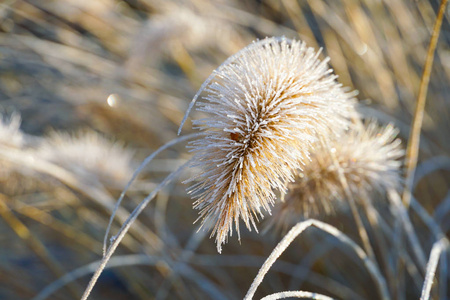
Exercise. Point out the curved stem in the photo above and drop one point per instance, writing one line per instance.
(351, 199)
(296, 294)
(146, 161)
(297, 230)
(124, 229)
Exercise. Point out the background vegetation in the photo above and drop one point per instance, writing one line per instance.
(100, 85)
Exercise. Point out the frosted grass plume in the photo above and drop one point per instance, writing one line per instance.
(90, 156)
(265, 107)
(369, 158)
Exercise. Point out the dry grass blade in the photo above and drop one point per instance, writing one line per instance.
(332, 286)
(129, 260)
(297, 230)
(412, 152)
(90, 268)
(124, 229)
(68, 231)
(94, 192)
(408, 227)
(189, 251)
(359, 223)
(146, 161)
(34, 243)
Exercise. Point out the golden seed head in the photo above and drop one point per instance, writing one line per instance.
(265, 108)
(368, 157)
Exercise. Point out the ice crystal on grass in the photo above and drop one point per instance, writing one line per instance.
(368, 157)
(264, 109)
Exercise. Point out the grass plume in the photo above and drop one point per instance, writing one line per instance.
(369, 158)
(265, 109)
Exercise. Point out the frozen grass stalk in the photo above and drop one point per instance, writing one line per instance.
(296, 294)
(115, 240)
(124, 229)
(296, 231)
(146, 161)
(412, 152)
(436, 251)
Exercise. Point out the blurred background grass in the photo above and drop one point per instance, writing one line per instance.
(101, 84)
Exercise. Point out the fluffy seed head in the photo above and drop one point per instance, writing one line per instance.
(90, 156)
(369, 158)
(264, 109)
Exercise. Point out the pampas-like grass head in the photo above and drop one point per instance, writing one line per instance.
(90, 156)
(369, 159)
(265, 108)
